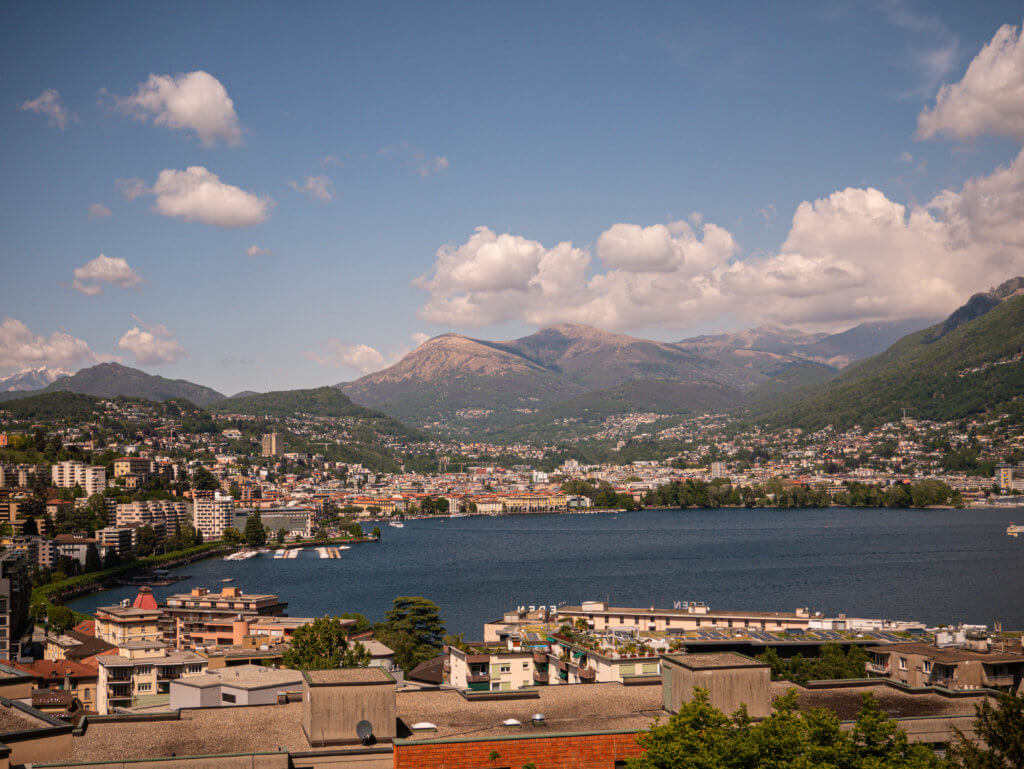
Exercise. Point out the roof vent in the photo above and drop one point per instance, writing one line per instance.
(424, 726)
(537, 719)
(511, 722)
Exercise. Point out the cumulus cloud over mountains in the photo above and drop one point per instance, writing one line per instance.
(853, 256)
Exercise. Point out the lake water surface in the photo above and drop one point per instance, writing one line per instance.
(931, 565)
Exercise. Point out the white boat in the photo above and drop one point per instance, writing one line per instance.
(457, 515)
(397, 525)
(1014, 529)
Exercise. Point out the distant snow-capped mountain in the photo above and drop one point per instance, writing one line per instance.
(31, 379)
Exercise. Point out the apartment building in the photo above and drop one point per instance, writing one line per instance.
(20, 476)
(201, 617)
(156, 511)
(924, 664)
(139, 621)
(212, 514)
(140, 674)
(272, 445)
(40, 551)
(15, 594)
(74, 678)
(76, 548)
(119, 539)
(686, 616)
(68, 474)
(125, 466)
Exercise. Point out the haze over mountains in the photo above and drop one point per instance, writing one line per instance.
(566, 378)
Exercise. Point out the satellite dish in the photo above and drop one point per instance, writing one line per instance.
(364, 729)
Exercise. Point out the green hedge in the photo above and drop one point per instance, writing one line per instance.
(45, 594)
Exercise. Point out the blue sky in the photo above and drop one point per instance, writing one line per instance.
(584, 123)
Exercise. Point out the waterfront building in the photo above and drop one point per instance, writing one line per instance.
(212, 514)
(201, 617)
(154, 513)
(1004, 476)
(75, 548)
(688, 616)
(119, 539)
(123, 624)
(67, 475)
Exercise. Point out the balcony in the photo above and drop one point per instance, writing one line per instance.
(540, 676)
(540, 657)
(115, 674)
(588, 675)
(478, 678)
(1006, 679)
(876, 668)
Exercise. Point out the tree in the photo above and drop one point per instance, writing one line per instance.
(92, 559)
(232, 536)
(322, 645)
(281, 533)
(700, 736)
(1000, 731)
(60, 619)
(146, 541)
(255, 534)
(376, 532)
(413, 629)
(355, 530)
(205, 480)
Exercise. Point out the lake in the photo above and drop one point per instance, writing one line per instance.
(931, 565)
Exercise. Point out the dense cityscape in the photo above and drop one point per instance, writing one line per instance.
(512, 386)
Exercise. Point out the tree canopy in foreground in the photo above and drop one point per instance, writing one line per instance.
(700, 736)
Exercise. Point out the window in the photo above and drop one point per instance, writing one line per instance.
(903, 663)
(144, 670)
(145, 687)
(195, 668)
(229, 698)
(505, 669)
(927, 666)
(526, 666)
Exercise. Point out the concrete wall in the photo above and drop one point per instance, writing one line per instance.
(35, 748)
(330, 713)
(246, 761)
(728, 687)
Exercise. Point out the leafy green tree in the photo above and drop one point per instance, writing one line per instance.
(376, 532)
(322, 645)
(413, 629)
(204, 480)
(1000, 731)
(146, 541)
(700, 736)
(255, 534)
(232, 536)
(355, 530)
(362, 624)
(60, 619)
(281, 533)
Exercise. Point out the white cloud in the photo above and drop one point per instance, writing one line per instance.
(131, 189)
(852, 257)
(360, 357)
(152, 345)
(195, 101)
(332, 160)
(21, 348)
(255, 251)
(197, 194)
(90, 277)
(48, 103)
(317, 187)
(422, 164)
(98, 211)
(989, 99)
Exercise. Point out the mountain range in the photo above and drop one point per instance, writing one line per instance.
(567, 378)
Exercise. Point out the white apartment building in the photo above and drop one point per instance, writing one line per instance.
(211, 515)
(67, 475)
(154, 512)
